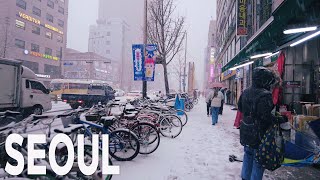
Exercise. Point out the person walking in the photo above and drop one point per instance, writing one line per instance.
(208, 101)
(221, 94)
(216, 99)
(256, 105)
(228, 94)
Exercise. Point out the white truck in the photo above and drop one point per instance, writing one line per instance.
(20, 90)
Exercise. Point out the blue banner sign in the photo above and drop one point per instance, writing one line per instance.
(138, 61)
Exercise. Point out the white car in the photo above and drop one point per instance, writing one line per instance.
(119, 93)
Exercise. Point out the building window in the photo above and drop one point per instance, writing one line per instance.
(108, 33)
(50, 18)
(48, 51)
(22, 4)
(58, 53)
(61, 10)
(60, 39)
(20, 24)
(20, 44)
(48, 35)
(60, 23)
(35, 30)
(108, 51)
(35, 48)
(108, 42)
(50, 4)
(36, 11)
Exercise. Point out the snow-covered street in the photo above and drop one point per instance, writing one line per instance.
(201, 152)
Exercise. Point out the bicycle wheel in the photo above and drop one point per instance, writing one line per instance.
(170, 126)
(148, 136)
(123, 145)
(182, 115)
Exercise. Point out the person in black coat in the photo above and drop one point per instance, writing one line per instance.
(258, 96)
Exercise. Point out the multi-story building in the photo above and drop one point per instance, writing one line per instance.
(116, 30)
(212, 68)
(253, 33)
(89, 65)
(34, 32)
(110, 40)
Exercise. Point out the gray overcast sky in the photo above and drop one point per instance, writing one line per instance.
(83, 13)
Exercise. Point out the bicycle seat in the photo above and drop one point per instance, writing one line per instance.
(108, 120)
(130, 116)
(9, 113)
(71, 129)
(117, 113)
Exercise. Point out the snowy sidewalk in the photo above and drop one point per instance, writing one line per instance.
(200, 152)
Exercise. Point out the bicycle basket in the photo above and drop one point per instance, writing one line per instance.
(66, 121)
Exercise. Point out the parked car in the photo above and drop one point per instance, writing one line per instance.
(135, 94)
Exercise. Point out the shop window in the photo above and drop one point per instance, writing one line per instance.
(31, 65)
(50, 18)
(61, 10)
(22, 4)
(53, 71)
(60, 23)
(36, 30)
(48, 35)
(20, 44)
(50, 4)
(60, 39)
(20, 24)
(35, 48)
(36, 11)
(48, 51)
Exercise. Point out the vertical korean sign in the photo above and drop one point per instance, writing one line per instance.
(242, 25)
(138, 61)
(150, 62)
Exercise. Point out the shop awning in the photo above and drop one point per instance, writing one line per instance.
(270, 37)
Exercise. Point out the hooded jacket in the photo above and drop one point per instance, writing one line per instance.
(258, 99)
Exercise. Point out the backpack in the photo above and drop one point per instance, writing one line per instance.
(249, 127)
(270, 153)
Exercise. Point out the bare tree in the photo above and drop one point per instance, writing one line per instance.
(166, 30)
(177, 70)
(5, 38)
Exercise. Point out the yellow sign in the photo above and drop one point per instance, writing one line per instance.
(36, 54)
(53, 28)
(29, 18)
(36, 21)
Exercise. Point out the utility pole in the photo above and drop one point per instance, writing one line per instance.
(185, 64)
(144, 83)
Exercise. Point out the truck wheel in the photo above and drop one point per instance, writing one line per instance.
(74, 106)
(37, 110)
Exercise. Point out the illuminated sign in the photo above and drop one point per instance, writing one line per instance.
(53, 28)
(43, 76)
(36, 54)
(29, 18)
(37, 21)
(242, 25)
